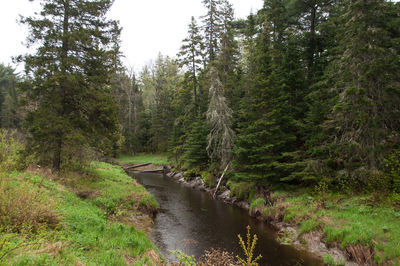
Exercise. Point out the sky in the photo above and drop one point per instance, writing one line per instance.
(149, 26)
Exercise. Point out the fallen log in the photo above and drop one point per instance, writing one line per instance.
(136, 166)
(150, 171)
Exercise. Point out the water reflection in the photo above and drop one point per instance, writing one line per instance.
(193, 222)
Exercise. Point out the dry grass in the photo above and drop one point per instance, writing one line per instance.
(217, 257)
(23, 207)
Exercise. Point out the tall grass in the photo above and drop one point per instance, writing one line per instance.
(68, 229)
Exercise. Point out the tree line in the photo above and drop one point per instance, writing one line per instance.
(300, 92)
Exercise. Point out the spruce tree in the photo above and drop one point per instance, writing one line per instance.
(366, 114)
(212, 24)
(191, 53)
(77, 52)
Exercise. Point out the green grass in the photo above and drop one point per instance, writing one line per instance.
(85, 233)
(155, 159)
(257, 203)
(347, 220)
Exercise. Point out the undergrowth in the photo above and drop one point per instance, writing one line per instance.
(52, 225)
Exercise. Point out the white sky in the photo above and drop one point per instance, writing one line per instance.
(149, 26)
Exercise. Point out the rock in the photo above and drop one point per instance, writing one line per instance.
(243, 204)
(178, 176)
(198, 183)
(226, 196)
(171, 174)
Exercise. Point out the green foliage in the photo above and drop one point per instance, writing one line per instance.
(183, 258)
(195, 154)
(308, 226)
(330, 261)
(11, 150)
(248, 249)
(155, 159)
(257, 203)
(25, 208)
(242, 190)
(9, 113)
(392, 165)
(84, 234)
(349, 221)
(68, 80)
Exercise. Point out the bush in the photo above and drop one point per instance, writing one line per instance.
(10, 151)
(392, 165)
(242, 190)
(22, 207)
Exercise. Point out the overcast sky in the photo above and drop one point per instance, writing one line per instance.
(149, 26)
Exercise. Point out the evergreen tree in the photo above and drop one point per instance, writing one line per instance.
(212, 23)
(191, 53)
(227, 59)
(76, 56)
(8, 97)
(366, 80)
(267, 140)
(165, 80)
(195, 153)
(130, 101)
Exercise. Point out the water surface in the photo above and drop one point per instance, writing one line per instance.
(191, 221)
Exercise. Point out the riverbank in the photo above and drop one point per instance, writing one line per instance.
(98, 216)
(341, 228)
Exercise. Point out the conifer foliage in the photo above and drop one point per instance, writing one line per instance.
(69, 78)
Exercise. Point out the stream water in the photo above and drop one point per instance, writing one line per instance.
(191, 221)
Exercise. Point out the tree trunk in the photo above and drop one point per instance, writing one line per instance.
(220, 179)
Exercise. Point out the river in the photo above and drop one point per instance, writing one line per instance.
(191, 221)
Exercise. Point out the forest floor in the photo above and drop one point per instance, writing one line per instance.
(98, 216)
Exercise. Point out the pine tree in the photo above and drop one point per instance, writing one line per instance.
(366, 113)
(76, 56)
(191, 53)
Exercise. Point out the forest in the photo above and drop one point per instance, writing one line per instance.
(301, 94)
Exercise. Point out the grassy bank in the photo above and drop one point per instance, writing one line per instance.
(155, 159)
(87, 218)
(365, 227)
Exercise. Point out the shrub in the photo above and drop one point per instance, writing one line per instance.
(217, 257)
(10, 150)
(392, 167)
(242, 190)
(23, 207)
